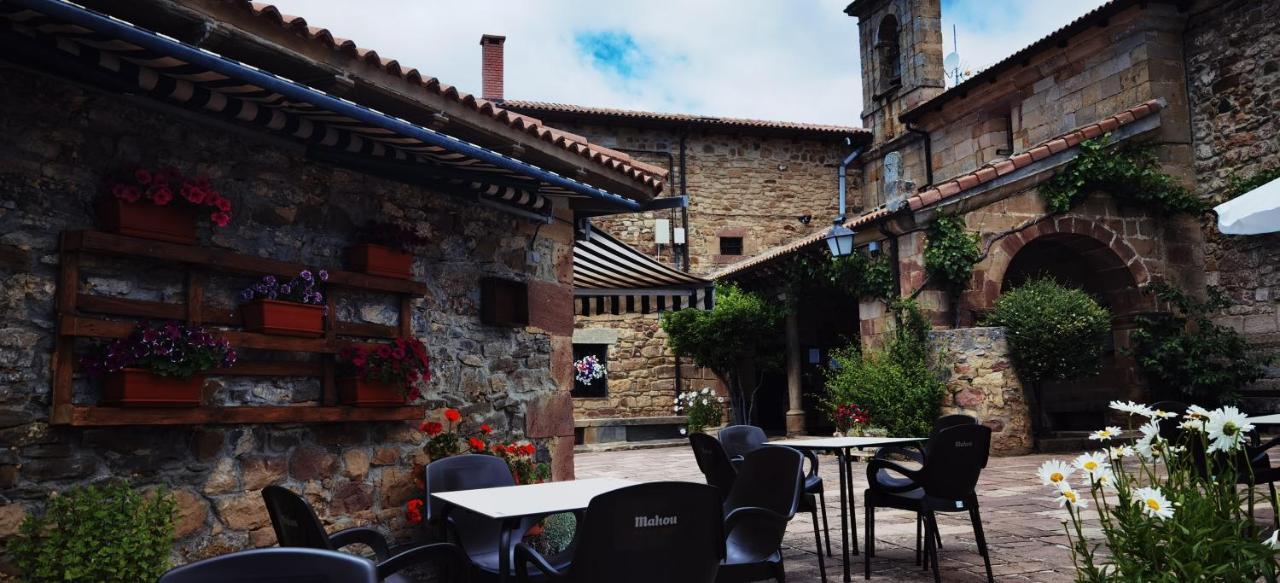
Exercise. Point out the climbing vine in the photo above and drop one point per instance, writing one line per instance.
(1128, 173)
(857, 275)
(951, 252)
(1239, 186)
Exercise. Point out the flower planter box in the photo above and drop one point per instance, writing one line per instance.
(173, 223)
(379, 260)
(365, 393)
(283, 318)
(135, 387)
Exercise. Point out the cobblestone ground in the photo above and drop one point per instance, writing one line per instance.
(1022, 524)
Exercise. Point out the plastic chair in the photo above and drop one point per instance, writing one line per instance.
(659, 531)
(765, 497)
(277, 564)
(714, 463)
(478, 535)
(297, 526)
(947, 482)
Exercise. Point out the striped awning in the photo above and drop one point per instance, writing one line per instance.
(610, 277)
(107, 51)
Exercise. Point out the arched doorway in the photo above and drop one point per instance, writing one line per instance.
(1083, 261)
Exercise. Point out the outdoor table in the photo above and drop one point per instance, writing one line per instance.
(512, 503)
(1266, 419)
(843, 448)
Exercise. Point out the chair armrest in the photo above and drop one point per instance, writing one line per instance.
(525, 555)
(876, 464)
(363, 535)
(813, 462)
(755, 532)
(448, 554)
(912, 452)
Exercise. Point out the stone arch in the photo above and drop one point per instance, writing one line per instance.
(889, 51)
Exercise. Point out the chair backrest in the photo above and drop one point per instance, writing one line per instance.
(739, 440)
(947, 422)
(771, 478)
(276, 565)
(658, 531)
(476, 534)
(714, 463)
(955, 461)
(294, 521)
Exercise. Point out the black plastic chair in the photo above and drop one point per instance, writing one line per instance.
(478, 535)
(714, 463)
(297, 526)
(765, 497)
(946, 482)
(659, 531)
(1252, 464)
(276, 565)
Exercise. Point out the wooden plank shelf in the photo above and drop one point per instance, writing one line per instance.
(116, 416)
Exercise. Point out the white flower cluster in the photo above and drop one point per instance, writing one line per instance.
(687, 399)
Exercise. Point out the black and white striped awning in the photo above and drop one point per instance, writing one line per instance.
(107, 51)
(610, 277)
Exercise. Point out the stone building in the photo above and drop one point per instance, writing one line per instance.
(1194, 81)
(304, 171)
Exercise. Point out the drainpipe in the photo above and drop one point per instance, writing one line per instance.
(684, 193)
(928, 153)
(840, 172)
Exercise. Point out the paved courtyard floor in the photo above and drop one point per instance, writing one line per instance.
(1022, 523)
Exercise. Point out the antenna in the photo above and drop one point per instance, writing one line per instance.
(951, 64)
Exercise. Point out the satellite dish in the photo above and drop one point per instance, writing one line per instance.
(952, 62)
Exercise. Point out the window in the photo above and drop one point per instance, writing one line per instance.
(889, 54)
(598, 387)
(731, 245)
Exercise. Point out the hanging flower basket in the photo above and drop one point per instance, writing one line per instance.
(136, 387)
(370, 393)
(172, 224)
(283, 318)
(380, 260)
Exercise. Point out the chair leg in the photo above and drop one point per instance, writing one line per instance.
(919, 525)
(817, 541)
(931, 551)
(780, 572)
(869, 537)
(826, 531)
(976, 518)
(1275, 513)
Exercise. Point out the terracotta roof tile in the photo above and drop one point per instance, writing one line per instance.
(551, 110)
(808, 240)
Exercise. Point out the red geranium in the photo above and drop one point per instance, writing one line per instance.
(485, 429)
(431, 428)
(163, 186)
(452, 415)
(476, 444)
(413, 511)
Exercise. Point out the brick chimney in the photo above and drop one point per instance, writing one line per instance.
(491, 66)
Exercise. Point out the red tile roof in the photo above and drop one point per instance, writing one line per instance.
(998, 168)
(649, 175)
(795, 246)
(565, 110)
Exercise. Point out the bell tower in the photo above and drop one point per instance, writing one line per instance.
(901, 46)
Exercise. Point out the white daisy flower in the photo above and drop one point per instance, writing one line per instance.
(1069, 497)
(1092, 463)
(1192, 424)
(1120, 451)
(1273, 542)
(1197, 412)
(1132, 408)
(1106, 433)
(1150, 429)
(1153, 503)
(1146, 447)
(1054, 472)
(1158, 414)
(1106, 478)
(1227, 428)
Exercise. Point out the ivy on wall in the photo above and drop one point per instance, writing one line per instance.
(1128, 173)
(1239, 186)
(857, 275)
(951, 252)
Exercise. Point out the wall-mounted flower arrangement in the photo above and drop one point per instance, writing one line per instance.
(161, 204)
(289, 308)
(159, 365)
(383, 375)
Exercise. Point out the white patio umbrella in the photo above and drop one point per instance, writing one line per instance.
(1252, 213)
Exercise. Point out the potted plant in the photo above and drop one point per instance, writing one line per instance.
(385, 249)
(292, 308)
(159, 366)
(384, 376)
(160, 204)
(589, 368)
(702, 408)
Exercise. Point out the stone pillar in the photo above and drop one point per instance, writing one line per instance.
(795, 408)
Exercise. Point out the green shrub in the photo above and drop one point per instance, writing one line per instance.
(100, 533)
(1055, 332)
(1127, 173)
(951, 252)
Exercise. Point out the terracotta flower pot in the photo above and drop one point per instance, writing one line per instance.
(379, 260)
(174, 222)
(366, 393)
(283, 318)
(136, 387)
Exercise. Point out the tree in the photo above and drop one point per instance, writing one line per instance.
(739, 339)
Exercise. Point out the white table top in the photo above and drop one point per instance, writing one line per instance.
(844, 442)
(532, 499)
(1265, 419)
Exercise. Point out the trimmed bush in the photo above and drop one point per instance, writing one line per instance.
(1055, 332)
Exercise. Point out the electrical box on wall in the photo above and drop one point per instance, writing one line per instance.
(679, 235)
(662, 231)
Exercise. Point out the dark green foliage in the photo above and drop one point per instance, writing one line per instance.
(1127, 173)
(1240, 186)
(742, 332)
(1186, 353)
(1055, 332)
(895, 385)
(102, 533)
(856, 275)
(951, 252)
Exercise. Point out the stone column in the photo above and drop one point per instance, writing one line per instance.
(795, 408)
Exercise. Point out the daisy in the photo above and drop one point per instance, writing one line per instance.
(1070, 498)
(1105, 433)
(1192, 424)
(1272, 541)
(1091, 463)
(1226, 428)
(1153, 503)
(1106, 479)
(1132, 408)
(1197, 412)
(1054, 473)
(1158, 414)
(1122, 451)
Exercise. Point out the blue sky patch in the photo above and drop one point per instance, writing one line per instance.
(614, 52)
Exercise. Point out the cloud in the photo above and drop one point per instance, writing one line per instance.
(795, 61)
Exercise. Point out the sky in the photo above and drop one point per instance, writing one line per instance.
(792, 60)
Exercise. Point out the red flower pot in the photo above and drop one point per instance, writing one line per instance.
(136, 387)
(174, 222)
(283, 318)
(379, 260)
(366, 393)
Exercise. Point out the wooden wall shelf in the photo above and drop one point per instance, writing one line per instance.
(79, 315)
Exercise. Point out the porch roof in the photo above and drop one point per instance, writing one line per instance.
(611, 277)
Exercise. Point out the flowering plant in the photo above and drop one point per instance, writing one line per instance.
(442, 438)
(589, 369)
(163, 186)
(402, 362)
(1168, 506)
(703, 408)
(393, 235)
(173, 349)
(848, 416)
(519, 457)
(302, 289)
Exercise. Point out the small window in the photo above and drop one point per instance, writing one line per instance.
(731, 245)
(598, 387)
(889, 53)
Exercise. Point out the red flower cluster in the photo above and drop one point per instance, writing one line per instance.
(513, 449)
(413, 511)
(846, 416)
(160, 187)
(403, 361)
(431, 428)
(476, 444)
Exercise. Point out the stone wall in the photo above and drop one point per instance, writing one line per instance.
(1234, 77)
(981, 382)
(64, 140)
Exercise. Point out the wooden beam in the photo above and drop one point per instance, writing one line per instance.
(116, 416)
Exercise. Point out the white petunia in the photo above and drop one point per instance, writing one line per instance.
(1153, 503)
(1069, 497)
(1105, 434)
(1092, 463)
(1227, 427)
(1054, 472)
(706, 391)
